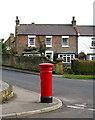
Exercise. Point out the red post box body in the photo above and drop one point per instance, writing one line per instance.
(46, 82)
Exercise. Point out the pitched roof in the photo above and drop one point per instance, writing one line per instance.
(86, 30)
(46, 29)
(55, 29)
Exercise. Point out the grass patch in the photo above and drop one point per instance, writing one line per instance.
(79, 76)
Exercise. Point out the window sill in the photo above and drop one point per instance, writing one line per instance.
(66, 46)
(67, 62)
(31, 45)
(92, 47)
(48, 46)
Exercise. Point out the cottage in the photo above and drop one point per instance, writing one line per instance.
(64, 40)
(61, 39)
(86, 41)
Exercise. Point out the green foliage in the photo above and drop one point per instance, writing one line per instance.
(30, 49)
(85, 67)
(42, 47)
(79, 76)
(14, 53)
(55, 56)
(2, 47)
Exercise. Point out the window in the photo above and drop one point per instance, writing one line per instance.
(31, 41)
(67, 57)
(65, 41)
(93, 42)
(48, 41)
(92, 57)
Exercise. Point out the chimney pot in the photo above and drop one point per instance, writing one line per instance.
(73, 21)
(17, 20)
(16, 17)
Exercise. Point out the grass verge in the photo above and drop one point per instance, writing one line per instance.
(79, 76)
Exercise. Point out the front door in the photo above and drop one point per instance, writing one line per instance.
(49, 55)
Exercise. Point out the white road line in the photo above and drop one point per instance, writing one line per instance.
(80, 107)
(75, 107)
(91, 109)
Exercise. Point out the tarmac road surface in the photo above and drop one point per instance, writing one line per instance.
(77, 95)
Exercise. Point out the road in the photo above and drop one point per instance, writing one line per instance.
(77, 95)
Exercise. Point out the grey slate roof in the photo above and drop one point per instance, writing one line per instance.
(86, 30)
(55, 29)
(46, 29)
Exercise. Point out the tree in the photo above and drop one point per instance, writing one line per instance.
(82, 56)
(3, 49)
(0, 46)
(42, 47)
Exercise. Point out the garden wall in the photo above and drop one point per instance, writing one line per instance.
(83, 67)
(23, 62)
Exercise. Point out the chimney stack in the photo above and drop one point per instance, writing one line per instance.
(17, 20)
(73, 22)
(33, 23)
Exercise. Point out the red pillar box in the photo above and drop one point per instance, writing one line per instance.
(46, 82)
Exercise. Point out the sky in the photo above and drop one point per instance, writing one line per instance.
(43, 12)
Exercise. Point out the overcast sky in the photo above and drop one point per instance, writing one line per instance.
(43, 12)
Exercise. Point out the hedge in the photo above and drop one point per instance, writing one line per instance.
(83, 67)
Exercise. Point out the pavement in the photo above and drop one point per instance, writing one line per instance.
(26, 103)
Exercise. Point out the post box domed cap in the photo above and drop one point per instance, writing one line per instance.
(46, 65)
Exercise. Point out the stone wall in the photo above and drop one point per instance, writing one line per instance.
(23, 62)
(6, 93)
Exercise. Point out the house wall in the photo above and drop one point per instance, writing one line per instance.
(57, 44)
(84, 44)
(22, 43)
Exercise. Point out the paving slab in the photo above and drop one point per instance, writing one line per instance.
(26, 103)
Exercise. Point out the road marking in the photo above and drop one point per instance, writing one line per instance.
(80, 106)
(75, 107)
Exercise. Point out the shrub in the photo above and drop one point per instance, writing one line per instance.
(85, 67)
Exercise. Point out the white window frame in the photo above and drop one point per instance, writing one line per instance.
(67, 37)
(46, 41)
(31, 36)
(49, 51)
(92, 39)
(91, 56)
(66, 55)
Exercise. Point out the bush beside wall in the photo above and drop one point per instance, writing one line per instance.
(84, 67)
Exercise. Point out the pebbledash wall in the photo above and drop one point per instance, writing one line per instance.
(23, 62)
